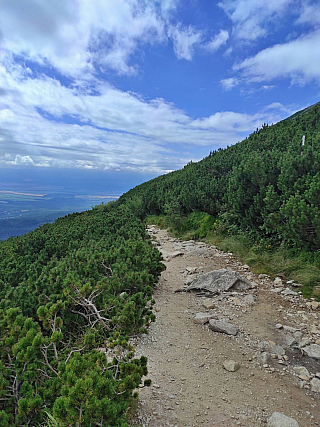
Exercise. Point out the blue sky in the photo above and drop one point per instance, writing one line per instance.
(147, 86)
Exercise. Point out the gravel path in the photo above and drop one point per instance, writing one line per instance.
(190, 386)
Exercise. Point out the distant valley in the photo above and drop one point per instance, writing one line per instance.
(30, 197)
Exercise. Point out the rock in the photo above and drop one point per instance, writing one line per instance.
(220, 280)
(188, 280)
(264, 358)
(277, 281)
(248, 299)
(296, 285)
(304, 342)
(288, 292)
(312, 350)
(231, 365)
(276, 290)
(278, 419)
(176, 254)
(223, 327)
(279, 326)
(290, 340)
(302, 373)
(315, 385)
(169, 255)
(289, 328)
(203, 318)
(263, 276)
(208, 304)
(272, 347)
(246, 267)
(314, 305)
(298, 335)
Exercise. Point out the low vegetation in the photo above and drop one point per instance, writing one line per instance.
(71, 294)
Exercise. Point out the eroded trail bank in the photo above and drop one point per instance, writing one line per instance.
(190, 385)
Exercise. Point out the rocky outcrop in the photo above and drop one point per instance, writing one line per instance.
(218, 281)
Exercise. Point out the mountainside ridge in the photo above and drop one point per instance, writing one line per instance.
(266, 185)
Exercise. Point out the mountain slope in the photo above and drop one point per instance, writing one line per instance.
(267, 185)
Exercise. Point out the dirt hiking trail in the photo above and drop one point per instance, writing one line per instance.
(190, 385)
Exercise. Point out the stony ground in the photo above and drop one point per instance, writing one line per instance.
(190, 385)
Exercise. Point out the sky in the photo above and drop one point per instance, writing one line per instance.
(146, 86)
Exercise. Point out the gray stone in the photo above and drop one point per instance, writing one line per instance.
(298, 335)
(290, 340)
(188, 280)
(288, 292)
(248, 299)
(304, 342)
(279, 326)
(312, 350)
(289, 328)
(277, 281)
(203, 318)
(220, 280)
(231, 365)
(278, 419)
(167, 256)
(276, 290)
(263, 276)
(208, 304)
(223, 327)
(315, 385)
(264, 358)
(302, 373)
(272, 348)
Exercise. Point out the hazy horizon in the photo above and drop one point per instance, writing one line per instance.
(32, 196)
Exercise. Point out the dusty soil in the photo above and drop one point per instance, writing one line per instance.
(190, 387)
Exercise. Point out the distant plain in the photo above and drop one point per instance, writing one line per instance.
(30, 197)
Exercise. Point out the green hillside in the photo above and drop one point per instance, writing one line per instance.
(66, 290)
(72, 289)
(267, 185)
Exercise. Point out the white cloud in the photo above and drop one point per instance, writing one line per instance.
(184, 40)
(219, 40)
(309, 13)
(77, 35)
(252, 19)
(230, 121)
(112, 129)
(298, 59)
(229, 83)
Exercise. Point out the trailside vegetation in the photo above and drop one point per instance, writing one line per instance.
(265, 189)
(71, 294)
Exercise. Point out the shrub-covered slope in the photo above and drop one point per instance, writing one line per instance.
(267, 185)
(67, 289)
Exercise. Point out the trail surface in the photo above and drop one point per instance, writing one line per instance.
(190, 386)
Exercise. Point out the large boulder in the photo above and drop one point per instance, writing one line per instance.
(220, 280)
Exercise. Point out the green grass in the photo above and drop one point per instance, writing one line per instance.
(262, 260)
